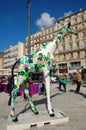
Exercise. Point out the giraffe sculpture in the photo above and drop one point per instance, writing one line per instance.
(42, 58)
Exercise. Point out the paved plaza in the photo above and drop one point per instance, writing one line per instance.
(73, 105)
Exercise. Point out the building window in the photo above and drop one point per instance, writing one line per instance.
(45, 32)
(63, 48)
(76, 28)
(83, 26)
(64, 57)
(53, 35)
(45, 37)
(78, 45)
(48, 31)
(76, 64)
(63, 65)
(78, 54)
(70, 38)
(71, 55)
(75, 21)
(77, 36)
(84, 34)
(85, 44)
(49, 36)
(82, 18)
(85, 53)
(71, 46)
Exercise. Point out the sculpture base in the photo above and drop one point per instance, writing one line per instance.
(29, 120)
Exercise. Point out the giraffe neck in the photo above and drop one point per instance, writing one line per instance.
(53, 45)
(60, 36)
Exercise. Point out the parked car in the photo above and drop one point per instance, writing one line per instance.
(53, 79)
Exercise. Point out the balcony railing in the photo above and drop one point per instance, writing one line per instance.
(74, 48)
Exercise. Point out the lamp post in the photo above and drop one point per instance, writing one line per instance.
(28, 6)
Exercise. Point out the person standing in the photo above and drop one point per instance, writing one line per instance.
(62, 81)
(78, 81)
(41, 86)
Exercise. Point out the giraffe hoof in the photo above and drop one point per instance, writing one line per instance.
(52, 115)
(36, 112)
(15, 120)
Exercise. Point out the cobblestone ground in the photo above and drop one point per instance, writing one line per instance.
(74, 105)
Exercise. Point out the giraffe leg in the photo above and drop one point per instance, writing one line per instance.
(12, 107)
(47, 85)
(33, 107)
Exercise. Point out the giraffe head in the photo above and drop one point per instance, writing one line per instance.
(70, 29)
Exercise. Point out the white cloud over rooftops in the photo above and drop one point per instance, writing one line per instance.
(45, 20)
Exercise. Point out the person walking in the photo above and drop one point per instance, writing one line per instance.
(78, 81)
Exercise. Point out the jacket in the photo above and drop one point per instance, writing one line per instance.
(78, 76)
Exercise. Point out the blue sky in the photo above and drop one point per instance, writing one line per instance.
(14, 21)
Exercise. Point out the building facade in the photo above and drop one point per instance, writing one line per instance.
(71, 53)
(1, 63)
(12, 54)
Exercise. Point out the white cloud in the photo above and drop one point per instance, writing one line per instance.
(67, 13)
(46, 20)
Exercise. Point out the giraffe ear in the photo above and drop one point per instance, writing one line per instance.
(69, 24)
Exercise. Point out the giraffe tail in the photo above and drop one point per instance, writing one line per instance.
(12, 71)
(12, 81)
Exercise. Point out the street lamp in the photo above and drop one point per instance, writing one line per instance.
(28, 6)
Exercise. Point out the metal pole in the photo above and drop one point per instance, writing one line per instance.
(28, 6)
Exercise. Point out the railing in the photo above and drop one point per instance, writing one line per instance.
(72, 49)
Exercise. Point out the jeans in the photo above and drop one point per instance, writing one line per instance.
(78, 87)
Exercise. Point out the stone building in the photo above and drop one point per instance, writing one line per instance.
(1, 63)
(11, 54)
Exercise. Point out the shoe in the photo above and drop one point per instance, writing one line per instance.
(76, 92)
(59, 89)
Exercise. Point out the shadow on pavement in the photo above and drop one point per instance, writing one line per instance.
(36, 102)
(80, 93)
